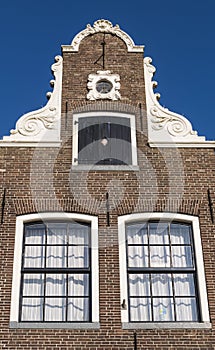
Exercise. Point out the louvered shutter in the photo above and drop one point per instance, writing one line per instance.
(117, 132)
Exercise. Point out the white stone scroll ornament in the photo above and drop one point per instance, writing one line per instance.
(103, 26)
(44, 123)
(164, 126)
(113, 79)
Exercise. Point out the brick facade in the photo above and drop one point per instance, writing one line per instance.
(179, 180)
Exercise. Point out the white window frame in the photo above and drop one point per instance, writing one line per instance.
(29, 218)
(77, 116)
(202, 291)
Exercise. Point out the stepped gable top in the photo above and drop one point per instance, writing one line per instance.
(102, 26)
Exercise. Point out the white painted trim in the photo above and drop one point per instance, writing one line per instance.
(29, 144)
(20, 221)
(123, 220)
(176, 144)
(98, 114)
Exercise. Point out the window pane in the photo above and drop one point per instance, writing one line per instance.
(34, 256)
(137, 256)
(78, 256)
(78, 234)
(161, 285)
(184, 285)
(35, 234)
(137, 234)
(56, 284)
(56, 250)
(160, 256)
(186, 309)
(140, 309)
(180, 234)
(163, 277)
(158, 233)
(78, 284)
(78, 309)
(139, 285)
(55, 309)
(32, 309)
(33, 284)
(182, 256)
(117, 133)
(163, 309)
(56, 233)
(56, 256)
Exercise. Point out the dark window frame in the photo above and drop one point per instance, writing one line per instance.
(56, 270)
(162, 270)
(92, 130)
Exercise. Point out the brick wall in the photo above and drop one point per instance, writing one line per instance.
(172, 180)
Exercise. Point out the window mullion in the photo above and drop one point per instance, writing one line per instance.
(45, 274)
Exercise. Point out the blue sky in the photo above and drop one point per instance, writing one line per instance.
(178, 35)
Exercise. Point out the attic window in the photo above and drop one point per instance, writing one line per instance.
(104, 138)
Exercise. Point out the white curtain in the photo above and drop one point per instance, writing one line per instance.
(47, 293)
(34, 251)
(169, 297)
(140, 307)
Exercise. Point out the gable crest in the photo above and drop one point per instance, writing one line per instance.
(102, 26)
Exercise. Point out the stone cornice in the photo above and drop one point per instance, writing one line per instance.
(102, 26)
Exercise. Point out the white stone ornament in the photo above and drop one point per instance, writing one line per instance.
(102, 26)
(166, 128)
(103, 85)
(42, 125)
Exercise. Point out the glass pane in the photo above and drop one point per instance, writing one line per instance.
(78, 234)
(57, 233)
(186, 309)
(137, 234)
(78, 256)
(56, 284)
(161, 285)
(33, 284)
(140, 309)
(55, 309)
(163, 309)
(182, 256)
(35, 234)
(78, 309)
(34, 256)
(180, 234)
(138, 256)
(32, 309)
(139, 285)
(78, 284)
(184, 285)
(160, 256)
(158, 233)
(56, 256)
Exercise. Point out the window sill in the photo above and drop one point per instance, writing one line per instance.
(52, 325)
(167, 325)
(93, 167)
